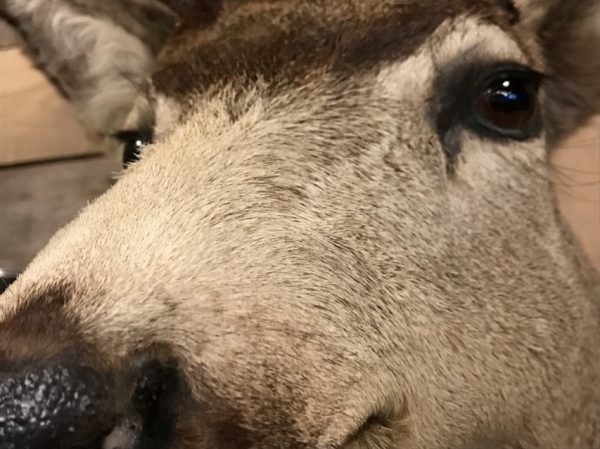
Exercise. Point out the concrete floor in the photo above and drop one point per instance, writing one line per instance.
(36, 200)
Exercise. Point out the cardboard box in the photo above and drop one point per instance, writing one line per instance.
(576, 177)
(36, 123)
(8, 36)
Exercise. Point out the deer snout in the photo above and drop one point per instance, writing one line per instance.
(71, 406)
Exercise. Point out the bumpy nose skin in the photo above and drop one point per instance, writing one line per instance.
(53, 405)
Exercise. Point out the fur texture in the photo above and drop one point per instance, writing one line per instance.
(295, 240)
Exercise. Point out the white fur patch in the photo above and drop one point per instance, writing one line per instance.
(452, 39)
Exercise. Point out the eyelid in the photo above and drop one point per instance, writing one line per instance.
(509, 70)
(124, 136)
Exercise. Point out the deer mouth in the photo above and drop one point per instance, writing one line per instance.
(126, 434)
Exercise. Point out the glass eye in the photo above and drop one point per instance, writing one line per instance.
(133, 143)
(508, 105)
(6, 279)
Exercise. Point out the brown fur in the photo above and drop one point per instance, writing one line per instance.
(295, 240)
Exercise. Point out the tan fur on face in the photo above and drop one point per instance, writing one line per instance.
(297, 242)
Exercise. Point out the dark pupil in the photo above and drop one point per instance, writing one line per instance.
(133, 142)
(508, 104)
(509, 96)
(132, 149)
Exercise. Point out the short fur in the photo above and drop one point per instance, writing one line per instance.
(295, 240)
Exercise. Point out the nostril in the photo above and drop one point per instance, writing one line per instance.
(154, 399)
(52, 406)
(156, 382)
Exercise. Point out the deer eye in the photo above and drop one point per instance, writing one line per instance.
(506, 104)
(133, 143)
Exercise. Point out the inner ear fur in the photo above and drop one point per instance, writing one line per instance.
(99, 53)
(568, 35)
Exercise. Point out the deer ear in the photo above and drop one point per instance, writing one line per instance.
(98, 52)
(568, 32)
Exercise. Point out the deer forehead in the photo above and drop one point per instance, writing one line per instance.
(464, 37)
(408, 78)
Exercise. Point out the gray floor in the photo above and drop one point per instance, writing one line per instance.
(36, 200)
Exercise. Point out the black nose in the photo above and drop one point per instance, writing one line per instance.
(53, 405)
